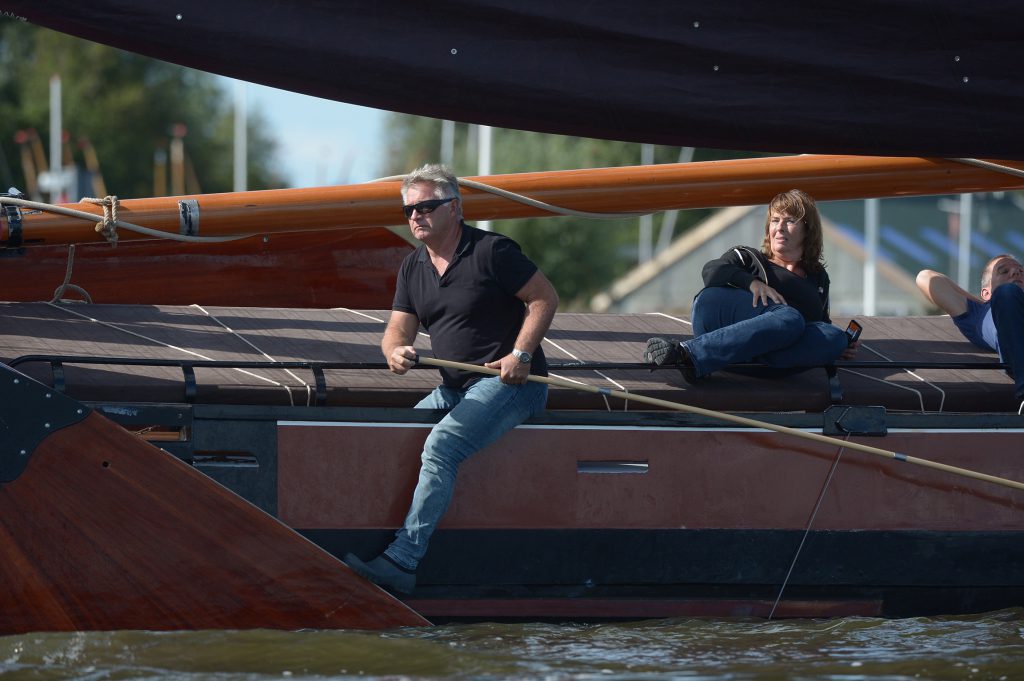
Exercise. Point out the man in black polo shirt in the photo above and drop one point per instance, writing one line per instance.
(482, 302)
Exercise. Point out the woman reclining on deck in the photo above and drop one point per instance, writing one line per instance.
(768, 306)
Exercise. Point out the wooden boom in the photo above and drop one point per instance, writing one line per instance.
(605, 190)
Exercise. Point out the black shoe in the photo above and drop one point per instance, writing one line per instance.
(384, 572)
(662, 351)
(686, 367)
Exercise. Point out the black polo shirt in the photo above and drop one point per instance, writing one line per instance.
(471, 313)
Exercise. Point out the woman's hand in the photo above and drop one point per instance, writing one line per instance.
(850, 350)
(763, 293)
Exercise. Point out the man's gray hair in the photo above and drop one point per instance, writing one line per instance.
(446, 185)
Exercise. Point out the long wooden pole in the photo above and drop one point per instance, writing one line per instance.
(679, 406)
(602, 190)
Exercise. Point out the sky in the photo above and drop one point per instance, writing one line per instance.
(320, 142)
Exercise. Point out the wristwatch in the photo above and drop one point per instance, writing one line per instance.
(523, 357)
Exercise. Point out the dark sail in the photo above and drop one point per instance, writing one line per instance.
(937, 78)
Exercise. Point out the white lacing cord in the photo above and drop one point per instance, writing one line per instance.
(920, 397)
(668, 316)
(376, 319)
(526, 200)
(361, 314)
(109, 231)
(172, 347)
(1021, 409)
(942, 400)
(619, 386)
(309, 390)
(988, 165)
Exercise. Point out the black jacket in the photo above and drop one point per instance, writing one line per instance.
(741, 265)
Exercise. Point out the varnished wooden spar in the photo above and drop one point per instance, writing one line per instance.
(604, 190)
(103, 531)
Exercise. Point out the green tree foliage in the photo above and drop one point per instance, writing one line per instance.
(581, 256)
(126, 106)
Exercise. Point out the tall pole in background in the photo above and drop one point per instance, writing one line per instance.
(870, 255)
(668, 219)
(447, 142)
(484, 163)
(56, 166)
(645, 247)
(178, 131)
(241, 138)
(963, 262)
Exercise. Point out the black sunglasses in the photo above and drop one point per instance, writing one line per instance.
(425, 207)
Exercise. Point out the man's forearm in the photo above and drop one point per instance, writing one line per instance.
(539, 314)
(392, 339)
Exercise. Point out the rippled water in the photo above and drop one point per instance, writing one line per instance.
(978, 648)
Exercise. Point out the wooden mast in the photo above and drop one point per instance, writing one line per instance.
(605, 190)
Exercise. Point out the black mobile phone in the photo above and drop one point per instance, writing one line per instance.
(853, 330)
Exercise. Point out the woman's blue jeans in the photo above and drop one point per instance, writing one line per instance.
(478, 416)
(727, 329)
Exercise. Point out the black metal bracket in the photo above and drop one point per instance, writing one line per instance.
(188, 217)
(31, 412)
(188, 369)
(849, 420)
(835, 389)
(15, 232)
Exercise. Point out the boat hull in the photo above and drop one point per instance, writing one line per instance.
(593, 510)
(598, 518)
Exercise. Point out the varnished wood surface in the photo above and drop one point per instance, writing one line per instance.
(103, 531)
(350, 268)
(701, 479)
(605, 190)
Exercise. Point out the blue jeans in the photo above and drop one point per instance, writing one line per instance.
(477, 417)
(727, 328)
(1008, 316)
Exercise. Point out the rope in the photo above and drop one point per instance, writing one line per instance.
(607, 404)
(742, 420)
(807, 530)
(58, 293)
(172, 347)
(91, 217)
(526, 200)
(108, 226)
(988, 165)
(920, 397)
(309, 391)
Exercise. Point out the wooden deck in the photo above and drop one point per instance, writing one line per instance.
(352, 336)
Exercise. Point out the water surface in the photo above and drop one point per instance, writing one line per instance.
(987, 647)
